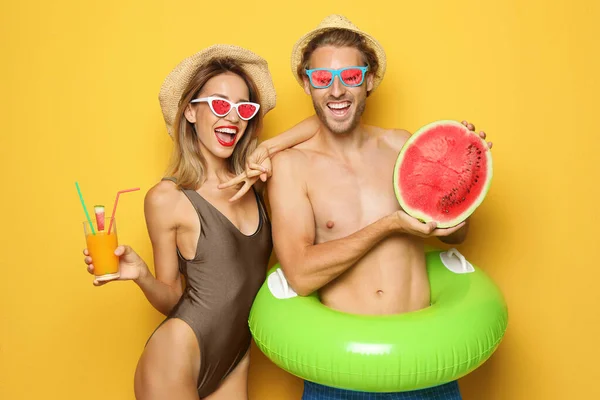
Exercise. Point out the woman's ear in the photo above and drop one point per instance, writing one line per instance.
(190, 114)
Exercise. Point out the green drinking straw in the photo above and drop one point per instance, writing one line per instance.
(84, 208)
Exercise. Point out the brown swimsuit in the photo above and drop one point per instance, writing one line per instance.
(221, 283)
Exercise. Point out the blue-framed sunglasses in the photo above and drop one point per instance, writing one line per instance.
(321, 78)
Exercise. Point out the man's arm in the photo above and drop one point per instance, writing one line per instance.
(457, 237)
(309, 266)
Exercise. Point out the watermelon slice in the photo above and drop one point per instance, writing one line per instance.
(99, 210)
(443, 173)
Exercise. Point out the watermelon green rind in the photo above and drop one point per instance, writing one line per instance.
(423, 217)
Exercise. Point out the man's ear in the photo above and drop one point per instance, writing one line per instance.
(369, 82)
(306, 85)
(190, 114)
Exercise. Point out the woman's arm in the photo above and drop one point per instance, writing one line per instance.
(297, 134)
(164, 290)
(258, 164)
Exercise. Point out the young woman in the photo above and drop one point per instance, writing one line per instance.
(213, 104)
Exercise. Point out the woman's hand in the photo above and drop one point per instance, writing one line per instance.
(131, 265)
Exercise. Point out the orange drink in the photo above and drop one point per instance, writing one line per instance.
(101, 246)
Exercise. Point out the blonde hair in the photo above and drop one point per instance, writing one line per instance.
(187, 164)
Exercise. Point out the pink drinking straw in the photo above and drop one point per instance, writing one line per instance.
(112, 217)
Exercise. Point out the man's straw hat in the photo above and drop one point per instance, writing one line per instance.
(337, 22)
(255, 66)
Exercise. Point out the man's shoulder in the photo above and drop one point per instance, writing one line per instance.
(289, 157)
(289, 168)
(393, 138)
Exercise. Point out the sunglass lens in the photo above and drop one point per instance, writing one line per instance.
(352, 76)
(220, 107)
(247, 110)
(321, 78)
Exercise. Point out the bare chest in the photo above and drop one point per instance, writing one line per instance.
(345, 198)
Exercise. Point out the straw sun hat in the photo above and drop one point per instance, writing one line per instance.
(336, 21)
(174, 84)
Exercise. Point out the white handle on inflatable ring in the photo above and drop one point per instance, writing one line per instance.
(450, 263)
(284, 282)
(279, 286)
(463, 260)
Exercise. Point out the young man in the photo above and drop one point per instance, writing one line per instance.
(337, 226)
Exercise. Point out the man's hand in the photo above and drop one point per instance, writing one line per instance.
(404, 223)
(482, 134)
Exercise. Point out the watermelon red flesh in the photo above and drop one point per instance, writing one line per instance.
(442, 174)
(99, 211)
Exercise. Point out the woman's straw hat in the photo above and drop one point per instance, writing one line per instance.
(336, 21)
(255, 66)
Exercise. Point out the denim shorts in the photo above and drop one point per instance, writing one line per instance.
(314, 391)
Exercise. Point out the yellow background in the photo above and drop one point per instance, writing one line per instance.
(78, 102)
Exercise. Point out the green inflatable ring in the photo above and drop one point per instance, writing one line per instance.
(389, 353)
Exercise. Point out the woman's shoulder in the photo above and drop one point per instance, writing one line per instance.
(163, 196)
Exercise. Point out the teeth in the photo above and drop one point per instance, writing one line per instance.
(339, 106)
(226, 130)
